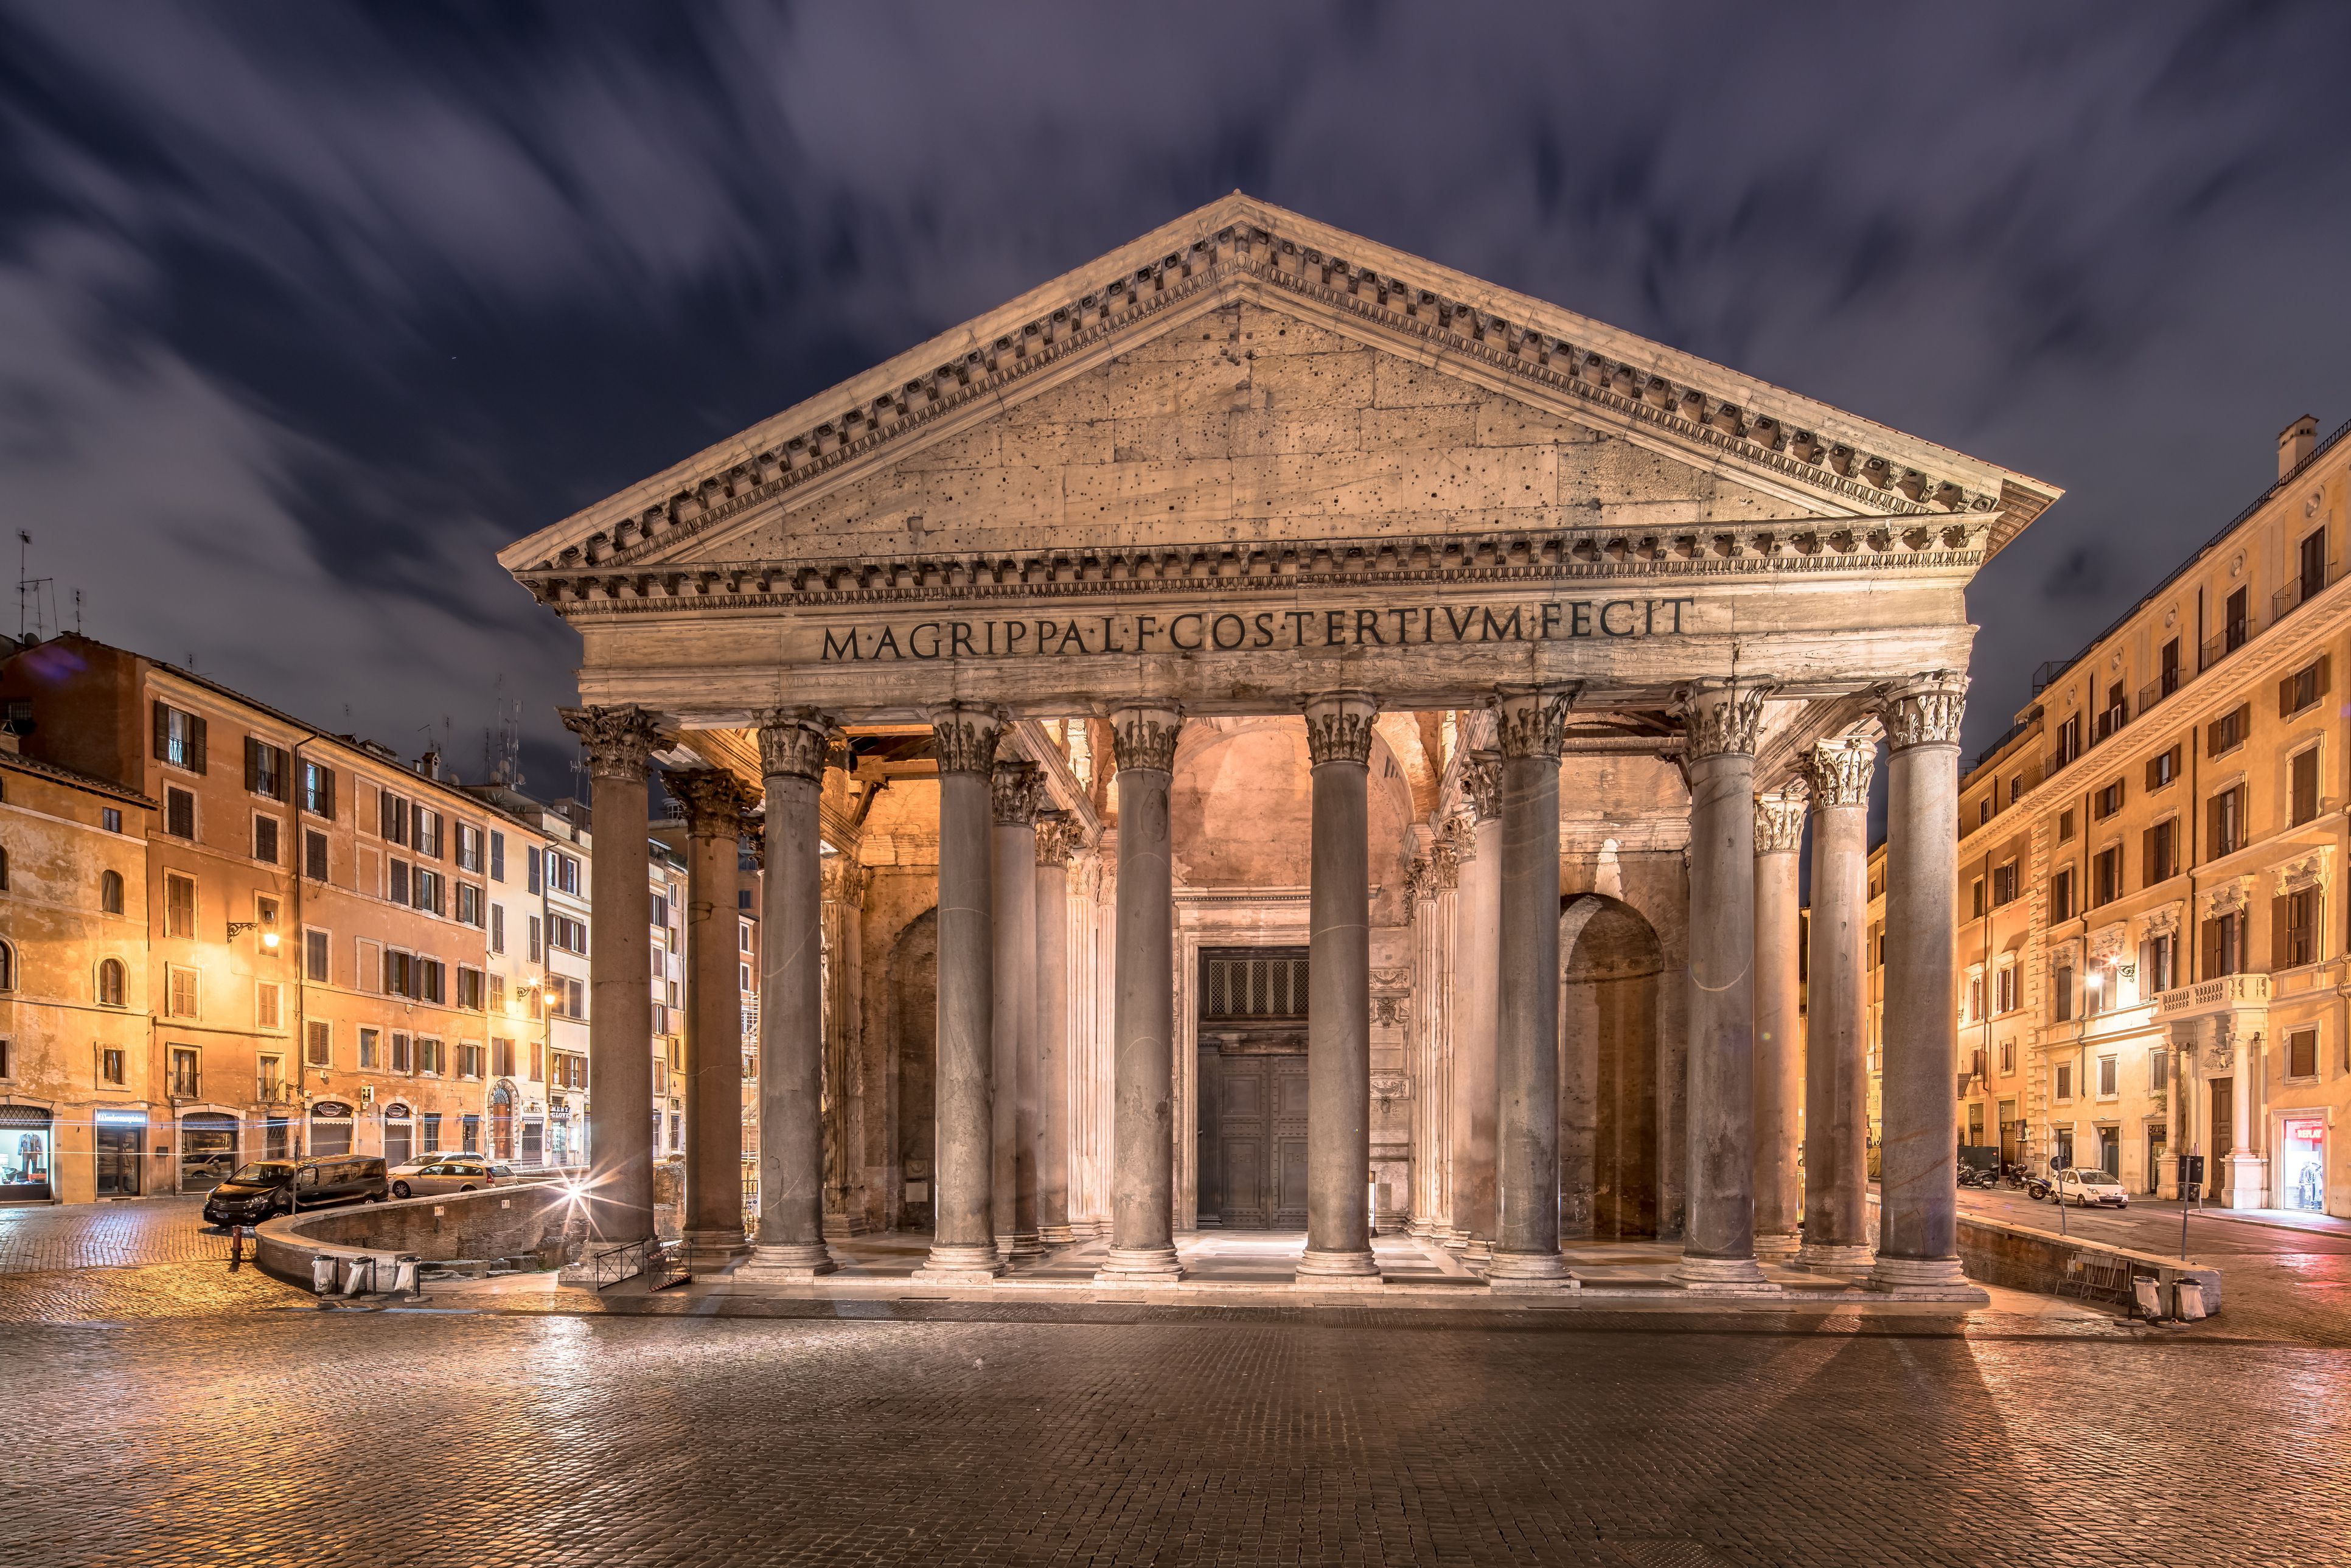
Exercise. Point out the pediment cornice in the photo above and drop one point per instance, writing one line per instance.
(1242, 248)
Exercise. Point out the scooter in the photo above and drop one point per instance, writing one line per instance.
(2037, 1188)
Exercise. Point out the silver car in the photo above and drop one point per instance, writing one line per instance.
(2087, 1188)
(435, 1174)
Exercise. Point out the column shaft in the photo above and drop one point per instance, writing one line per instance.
(793, 747)
(1779, 1026)
(1143, 1155)
(1478, 981)
(1531, 727)
(1054, 838)
(715, 805)
(1917, 1246)
(963, 1244)
(1836, 1061)
(618, 741)
(1014, 865)
(1339, 996)
(1719, 1244)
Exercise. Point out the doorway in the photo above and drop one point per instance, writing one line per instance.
(117, 1147)
(913, 1004)
(1251, 1140)
(2224, 1122)
(207, 1150)
(1609, 1154)
(2159, 1148)
(2302, 1181)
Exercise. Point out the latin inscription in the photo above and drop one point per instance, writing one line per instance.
(1261, 631)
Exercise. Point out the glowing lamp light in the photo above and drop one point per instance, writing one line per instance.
(269, 941)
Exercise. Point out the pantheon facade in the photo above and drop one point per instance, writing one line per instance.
(1265, 731)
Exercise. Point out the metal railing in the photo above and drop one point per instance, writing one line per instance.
(2307, 585)
(2156, 690)
(654, 1259)
(2223, 642)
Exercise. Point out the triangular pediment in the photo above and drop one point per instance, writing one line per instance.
(1246, 374)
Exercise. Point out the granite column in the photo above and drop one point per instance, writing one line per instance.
(793, 743)
(1779, 1026)
(1014, 787)
(1056, 837)
(1478, 979)
(1339, 996)
(717, 804)
(1836, 1061)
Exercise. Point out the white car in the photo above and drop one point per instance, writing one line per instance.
(2084, 1188)
(446, 1171)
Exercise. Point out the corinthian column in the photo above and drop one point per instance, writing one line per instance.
(1917, 1237)
(793, 747)
(1836, 1044)
(1531, 727)
(1779, 1027)
(1719, 1245)
(963, 1244)
(1143, 1132)
(1478, 979)
(1339, 996)
(1056, 837)
(716, 805)
(1015, 787)
(618, 742)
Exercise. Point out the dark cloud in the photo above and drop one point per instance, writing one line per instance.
(305, 310)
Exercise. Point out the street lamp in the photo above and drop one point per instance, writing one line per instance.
(268, 936)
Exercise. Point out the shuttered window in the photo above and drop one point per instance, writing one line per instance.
(319, 790)
(264, 769)
(392, 817)
(179, 737)
(2224, 822)
(314, 856)
(2162, 770)
(2302, 688)
(2159, 856)
(2294, 929)
(2303, 785)
(2228, 731)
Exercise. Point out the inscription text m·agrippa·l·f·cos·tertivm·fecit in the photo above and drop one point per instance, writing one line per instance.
(1238, 632)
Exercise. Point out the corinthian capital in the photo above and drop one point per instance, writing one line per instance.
(1925, 710)
(1531, 721)
(963, 736)
(1013, 790)
(617, 740)
(1840, 770)
(1481, 784)
(793, 742)
(1339, 727)
(715, 801)
(1720, 718)
(1145, 736)
(1779, 820)
(1057, 838)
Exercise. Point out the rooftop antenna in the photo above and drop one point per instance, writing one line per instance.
(77, 612)
(31, 619)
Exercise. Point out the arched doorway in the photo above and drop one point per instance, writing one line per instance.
(502, 1122)
(914, 1002)
(1610, 960)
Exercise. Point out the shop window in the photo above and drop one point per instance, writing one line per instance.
(110, 891)
(2301, 1053)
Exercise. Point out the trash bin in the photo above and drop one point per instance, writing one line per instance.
(322, 1275)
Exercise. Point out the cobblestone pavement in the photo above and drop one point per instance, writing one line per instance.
(96, 1235)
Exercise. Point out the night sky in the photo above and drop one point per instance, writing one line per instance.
(306, 309)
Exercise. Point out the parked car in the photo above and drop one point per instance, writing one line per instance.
(448, 1173)
(2083, 1188)
(255, 1192)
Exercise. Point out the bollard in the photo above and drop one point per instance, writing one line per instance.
(359, 1276)
(322, 1275)
(403, 1278)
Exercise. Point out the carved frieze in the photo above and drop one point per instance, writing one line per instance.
(2161, 921)
(1481, 784)
(964, 738)
(1392, 1012)
(1531, 721)
(1146, 737)
(1779, 821)
(619, 740)
(1722, 719)
(1925, 711)
(845, 880)
(1839, 771)
(716, 802)
(1013, 791)
(2306, 870)
(1339, 727)
(794, 742)
(2229, 897)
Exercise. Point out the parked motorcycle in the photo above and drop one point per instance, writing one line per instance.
(2036, 1188)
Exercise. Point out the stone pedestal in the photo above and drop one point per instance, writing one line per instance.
(1918, 1245)
(1719, 1249)
(1779, 1025)
(2249, 1180)
(1836, 1062)
(1339, 997)
(1531, 730)
(1143, 1154)
(618, 741)
(963, 1246)
(1014, 787)
(789, 1242)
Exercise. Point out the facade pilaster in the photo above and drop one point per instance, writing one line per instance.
(619, 742)
(1917, 1246)
(963, 1244)
(717, 806)
(1720, 720)
(1779, 1024)
(1478, 979)
(1339, 996)
(1143, 1155)
(1014, 789)
(793, 744)
(1836, 1064)
(1531, 727)
(1056, 838)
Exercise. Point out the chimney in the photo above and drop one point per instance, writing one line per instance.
(2296, 442)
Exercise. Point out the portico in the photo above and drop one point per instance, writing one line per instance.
(1256, 589)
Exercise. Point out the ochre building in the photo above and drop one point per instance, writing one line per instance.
(1266, 731)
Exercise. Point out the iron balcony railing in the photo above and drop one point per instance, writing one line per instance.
(2223, 642)
(2156, 690)
(2309, 584)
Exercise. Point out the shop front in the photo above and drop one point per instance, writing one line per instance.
(208, 1149)
(330, 1129)
(399, 1133)
(27, 1154)
(117, 1136)
(2301, 1163)
(559, 1145)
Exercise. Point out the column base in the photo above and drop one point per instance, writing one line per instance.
(1778, 1244)
(788, 1260)
(1529, 1273)
(972, 1263)
(1833, 1257)
(1057, 1235)
(2249, 1181)
(1329, 1270)
(1722, 1276)
(1140, 1266)
(1027, 1244)
(714, 1249)
(1421, 1227)
(1925, 1280)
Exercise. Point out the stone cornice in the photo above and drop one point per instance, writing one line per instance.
(1238, 247)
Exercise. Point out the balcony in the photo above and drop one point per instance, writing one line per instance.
(2223, 642)
(2310, 584)
(2228, 992)
(2156, 690)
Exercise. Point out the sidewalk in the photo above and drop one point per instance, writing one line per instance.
(2274, 1218)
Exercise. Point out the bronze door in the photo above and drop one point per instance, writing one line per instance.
(1253, 1145)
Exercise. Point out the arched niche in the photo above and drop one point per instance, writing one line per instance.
(1609, 964)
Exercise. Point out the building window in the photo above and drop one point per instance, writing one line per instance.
(370, 1046)
(2007, 1057)
(2061, 993)
(538, 1063)
(2224, 822)
(2302, 688)
(497, 855)
(1983, 811)
(2156, 965)
(314, 855)
(111, 978)
(2107, 1078)
(2003, 989)
(319, 790)
(469, 989)
(1975, 997)
(318, 1049)
(2293, 927)
(565, 933)
(2106, 874)
(531, 859)
(2065, 1081)
(424, 831)
(469, 904)
(112, 1066)
(2096, 991)
(2061, 895)
(2106, 802)
(268, 1005)
(2301, 1053)
(179, 739)
(404, 1057)
(264, 769)
(563, 873)
(473, 1134)
(538, 951)
(2228, 731)
(110, 818)
(502, 1058)
(2163, 769)
(110, 891)
(469, 848)
(186, 1072)
(426, 891)
(2003, 884)
(432, 1129)
(498, 927)
(2303, 786)
(315, 949)
(743, 936)
(179, 906)
(181, 996)
(1976, 899)
(8, 967)
(469, 1060)
(2064, 827)
(432, 1056)
(179, 812)
(265, 840)
(2224, 946)
(2159, 852)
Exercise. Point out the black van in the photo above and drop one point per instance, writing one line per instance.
(265, 1187)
